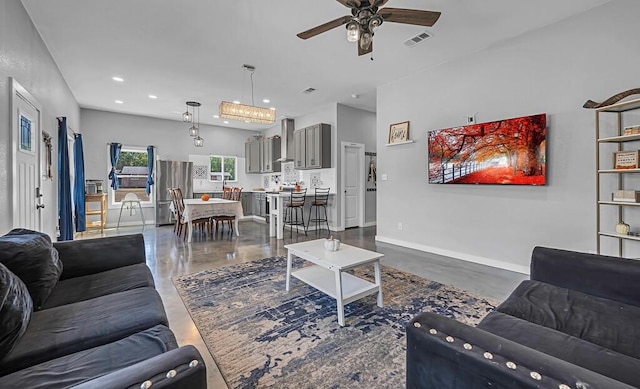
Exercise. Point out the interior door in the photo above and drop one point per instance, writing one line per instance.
(27, 180)
(351, 187)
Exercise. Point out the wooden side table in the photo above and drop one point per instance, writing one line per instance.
(91, 213)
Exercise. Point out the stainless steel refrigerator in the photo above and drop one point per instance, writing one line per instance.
(171, 174)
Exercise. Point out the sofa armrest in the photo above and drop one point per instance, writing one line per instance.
(189, 373)
(613, 278)
(90, 256)
(455, 357)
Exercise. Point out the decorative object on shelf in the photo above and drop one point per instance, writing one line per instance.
(399, 132)
(247, 113)
(622, 228)
(204, 197)
(331, 244)
(631, 130)
(510, 151)
(626, 159)
(366, 17)
(611, 100)
(629, 196)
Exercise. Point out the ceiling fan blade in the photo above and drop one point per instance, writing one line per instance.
(324, 27)
(362, 51)
(409, 16)
(379, 3)
(350, 3)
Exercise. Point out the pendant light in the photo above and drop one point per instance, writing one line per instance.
(194, 130)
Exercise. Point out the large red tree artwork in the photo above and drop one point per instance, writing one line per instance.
(510, 151)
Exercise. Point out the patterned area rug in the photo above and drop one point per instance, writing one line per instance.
(262, 336)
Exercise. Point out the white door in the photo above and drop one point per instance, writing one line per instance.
(351, 187)
(27, 178)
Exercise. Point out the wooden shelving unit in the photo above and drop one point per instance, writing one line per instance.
(96, 216)
(614, 134)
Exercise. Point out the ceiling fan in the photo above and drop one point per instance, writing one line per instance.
(367, 16)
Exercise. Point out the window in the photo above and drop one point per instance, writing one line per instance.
(132, 173)
(222, 168)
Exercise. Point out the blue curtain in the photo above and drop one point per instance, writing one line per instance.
(114, 154)
(78, 187)
(150, 166)
(65, 217)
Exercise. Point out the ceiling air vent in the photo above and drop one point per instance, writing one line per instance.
(309, 91)
(411, 42)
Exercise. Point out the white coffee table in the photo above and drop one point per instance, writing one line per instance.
(328, 274)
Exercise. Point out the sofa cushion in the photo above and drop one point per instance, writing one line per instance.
(601, 321)
(566, 347)
(15, 310)
(83, 288)
(31, 256)
(85, 365)
(67, 329)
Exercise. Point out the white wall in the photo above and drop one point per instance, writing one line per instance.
(554, 70)
(170, 138)
(24, 56)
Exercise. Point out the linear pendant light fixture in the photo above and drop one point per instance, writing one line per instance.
(247, 113)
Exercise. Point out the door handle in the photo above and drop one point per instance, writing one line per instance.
(39, 206)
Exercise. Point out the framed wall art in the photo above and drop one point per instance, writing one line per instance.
(505, 152)
(399, 133)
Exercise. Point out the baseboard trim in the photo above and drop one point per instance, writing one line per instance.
(370, 224)
(454, 254)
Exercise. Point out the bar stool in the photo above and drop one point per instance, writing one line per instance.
(320, 199)
(295, 204)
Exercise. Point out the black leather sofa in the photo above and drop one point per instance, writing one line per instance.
(86, 314)
(574, 324)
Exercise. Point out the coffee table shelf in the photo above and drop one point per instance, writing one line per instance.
(353, 288)
(328, 272)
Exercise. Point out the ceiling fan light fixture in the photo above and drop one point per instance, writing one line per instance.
(375, 22)
(353, 31)
(365, 40)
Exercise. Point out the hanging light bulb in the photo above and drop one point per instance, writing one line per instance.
(198, 141)
(194, 131)
(353, 31)
(187, 117)
(374, 23)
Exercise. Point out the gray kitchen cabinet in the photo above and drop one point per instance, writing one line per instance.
(299, 148)
(312, 147)
(259, 204)
(270, 153)
(247, 203)
(253, 156)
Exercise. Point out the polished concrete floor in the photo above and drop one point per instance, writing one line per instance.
(169, 256)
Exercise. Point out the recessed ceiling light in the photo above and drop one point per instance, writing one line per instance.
(273, 108)
(118, 79)
(247, 121)
(266, 101)
(216, 116)
(153, 96)
(236, 102)
(226, 122)
(119, 102)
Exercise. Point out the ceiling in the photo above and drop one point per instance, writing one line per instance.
(195, 49)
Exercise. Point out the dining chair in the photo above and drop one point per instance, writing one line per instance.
(200, 223)
(295, 205)
(235, 194)
(320, 200)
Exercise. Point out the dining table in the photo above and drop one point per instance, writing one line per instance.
(198, 209)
